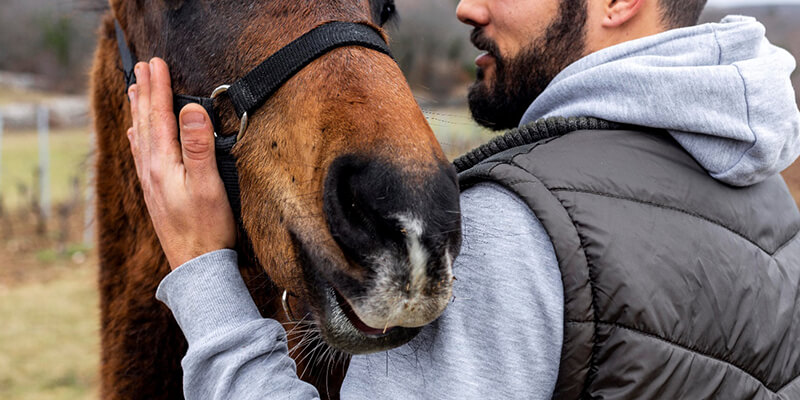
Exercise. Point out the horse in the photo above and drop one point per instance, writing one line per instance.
(348, 204)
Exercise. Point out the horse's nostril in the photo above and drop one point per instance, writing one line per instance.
(358, 205)
(379, 213)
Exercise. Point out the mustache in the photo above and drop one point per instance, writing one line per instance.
(483, 42)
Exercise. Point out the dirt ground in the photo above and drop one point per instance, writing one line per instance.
(49, 343)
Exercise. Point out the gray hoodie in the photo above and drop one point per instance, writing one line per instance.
(721, 90)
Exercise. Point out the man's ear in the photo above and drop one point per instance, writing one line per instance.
(618, 12)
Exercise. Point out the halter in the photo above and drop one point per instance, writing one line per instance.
(249, 93)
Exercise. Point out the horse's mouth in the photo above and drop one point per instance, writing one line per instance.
(338, 323)
(356, 321)
(342, 329)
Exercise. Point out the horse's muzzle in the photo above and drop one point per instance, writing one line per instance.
(400, 229)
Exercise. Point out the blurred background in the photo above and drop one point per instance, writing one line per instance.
(48, 304)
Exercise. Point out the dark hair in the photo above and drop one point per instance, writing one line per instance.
(681, 13)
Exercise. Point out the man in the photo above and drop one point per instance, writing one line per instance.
(643, 248)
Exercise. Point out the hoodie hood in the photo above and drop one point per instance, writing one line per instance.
(722, 90)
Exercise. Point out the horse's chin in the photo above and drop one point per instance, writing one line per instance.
(338, 324)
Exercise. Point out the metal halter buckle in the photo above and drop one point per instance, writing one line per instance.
(243, 124)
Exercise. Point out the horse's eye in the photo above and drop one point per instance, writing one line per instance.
(388, 12)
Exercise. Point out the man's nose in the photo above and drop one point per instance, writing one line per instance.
(473, 12)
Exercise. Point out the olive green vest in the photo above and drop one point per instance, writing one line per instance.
(676, 286)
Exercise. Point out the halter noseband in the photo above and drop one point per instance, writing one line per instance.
(251, 92)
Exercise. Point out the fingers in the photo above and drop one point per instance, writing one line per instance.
(164, 134)
(197, 144)
(140, 108)
(135, 138)
(155, 133)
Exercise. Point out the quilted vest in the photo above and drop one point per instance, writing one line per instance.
(676, 286)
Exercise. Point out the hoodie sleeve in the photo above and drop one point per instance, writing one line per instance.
(233, 353)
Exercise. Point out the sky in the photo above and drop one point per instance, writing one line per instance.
(728, 3)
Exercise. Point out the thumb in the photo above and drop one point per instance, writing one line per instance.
(197, 142)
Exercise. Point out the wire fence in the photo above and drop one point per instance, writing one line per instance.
(46, 195)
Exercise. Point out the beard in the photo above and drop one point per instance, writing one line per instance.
(518, 81)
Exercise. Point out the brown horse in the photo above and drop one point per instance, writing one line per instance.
(347, 198)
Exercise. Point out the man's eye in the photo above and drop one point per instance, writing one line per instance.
(388, 12)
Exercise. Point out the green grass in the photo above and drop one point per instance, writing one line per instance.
(456, 131)
(69, 151)
(49, 344)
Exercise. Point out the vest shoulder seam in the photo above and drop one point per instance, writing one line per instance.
(680, 210)
(774, 388)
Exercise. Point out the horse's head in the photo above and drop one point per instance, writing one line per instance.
(347, 197)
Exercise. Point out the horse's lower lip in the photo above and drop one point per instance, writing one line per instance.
(337, 328)
(357, 322)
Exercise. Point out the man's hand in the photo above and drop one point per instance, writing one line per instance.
(182, 187)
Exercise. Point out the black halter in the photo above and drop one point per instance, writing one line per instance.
(254, 89)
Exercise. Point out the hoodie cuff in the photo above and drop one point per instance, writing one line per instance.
(207, 296)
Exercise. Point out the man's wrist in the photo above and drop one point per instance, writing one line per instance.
(207, 295)
(189, 256)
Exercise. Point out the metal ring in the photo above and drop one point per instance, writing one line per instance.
(244, 120)
(220, 90)
(286, 309)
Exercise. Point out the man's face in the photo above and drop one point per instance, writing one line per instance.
(526, 43)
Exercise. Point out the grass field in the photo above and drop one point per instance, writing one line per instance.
(69, 151)
(49, 345)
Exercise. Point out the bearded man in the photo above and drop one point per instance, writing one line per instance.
(629, 239)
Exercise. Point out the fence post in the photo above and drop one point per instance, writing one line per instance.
(43, 124)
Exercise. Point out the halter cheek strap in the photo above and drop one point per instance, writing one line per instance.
(249, 93)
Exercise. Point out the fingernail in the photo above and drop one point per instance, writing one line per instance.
(194, 120)
(132, 94)
(151, 67)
